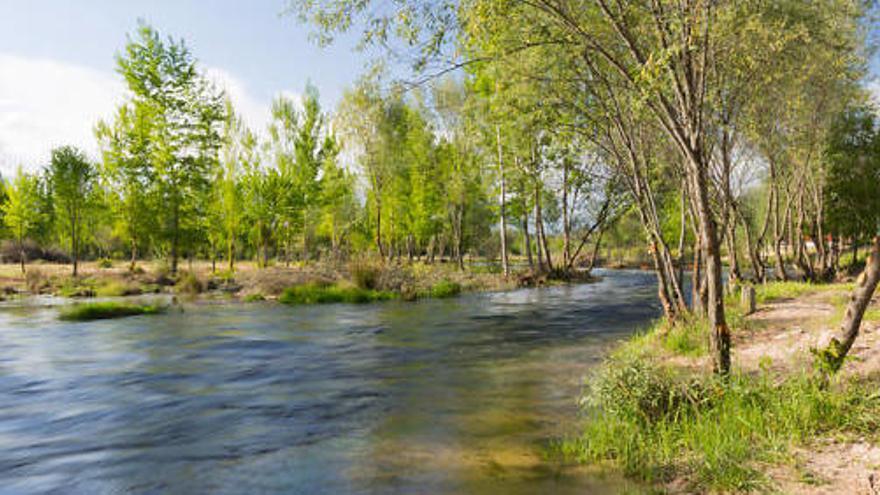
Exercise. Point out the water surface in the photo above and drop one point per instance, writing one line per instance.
(440, 396)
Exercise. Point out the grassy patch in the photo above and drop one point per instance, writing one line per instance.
(104, 310)
(254, 298)
(659, 424)
(686, 337)
(774, 291)
(325, 294)
(445, 288)
(115, 288)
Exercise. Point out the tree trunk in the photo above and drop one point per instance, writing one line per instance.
(132, 265)
(174, 236)
(528, 241)
(21, 252)
(505, 266)
(230, 253)
(720, 333)
(539, 226)
(831, 358)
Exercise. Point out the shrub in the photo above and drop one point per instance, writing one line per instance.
(36, 281)
(189, 283)
(105, 310)
(105, 263)
(365, 275)
(254, 298)
(115, 288)
(445, 288)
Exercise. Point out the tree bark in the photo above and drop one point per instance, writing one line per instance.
(832, 357)
(505, 266)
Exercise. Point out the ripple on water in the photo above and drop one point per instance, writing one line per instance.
(454, 396)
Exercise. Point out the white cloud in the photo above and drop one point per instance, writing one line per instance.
(47, 103)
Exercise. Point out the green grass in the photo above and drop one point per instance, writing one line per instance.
(104, 310)
(775, 291)
(115, 288)
(254, 298)
(658, 424)
(445, 288)
(325, 294)
(687, 337)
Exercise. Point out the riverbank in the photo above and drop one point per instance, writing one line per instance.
(653, 412)
(362, 280)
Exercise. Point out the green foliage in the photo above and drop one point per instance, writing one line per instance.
(324, 294)
(445, 288)
(117, 288)
(73, 181)
(106, 310)
(657, 426)
(774, 291)
(254, 298)
(21, 212)
(687, 337)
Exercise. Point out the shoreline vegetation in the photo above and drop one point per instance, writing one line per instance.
(357, 281)
(772, 425)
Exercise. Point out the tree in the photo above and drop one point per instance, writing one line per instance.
(21, 212)
(184, 116)
(73, 180)
(127, 173)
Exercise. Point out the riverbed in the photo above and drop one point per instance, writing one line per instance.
(436, 396)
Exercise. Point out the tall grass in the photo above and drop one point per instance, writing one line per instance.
(324, 294)
(105, 310)
(658, 425)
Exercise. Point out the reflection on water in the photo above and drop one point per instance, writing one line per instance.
(445, 396)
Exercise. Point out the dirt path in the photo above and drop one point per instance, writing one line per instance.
(779, 338)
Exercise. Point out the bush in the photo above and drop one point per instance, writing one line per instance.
(324, 294)
(36, 281)
(115, 288)
(189, 283)
(254, 298)
(105, 263)
(365, 275)
(105, 310)
(445, 288)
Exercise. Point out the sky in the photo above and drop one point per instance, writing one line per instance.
(58, 62)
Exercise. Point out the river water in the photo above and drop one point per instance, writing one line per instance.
(438, 396)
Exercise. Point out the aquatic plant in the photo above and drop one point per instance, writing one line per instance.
(105, 310)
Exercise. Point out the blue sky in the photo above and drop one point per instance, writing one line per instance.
(57, 62)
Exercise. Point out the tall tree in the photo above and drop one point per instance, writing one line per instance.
(73, 180)
(186, 114)
(21, 212)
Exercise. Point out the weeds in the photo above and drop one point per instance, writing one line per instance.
(659, 424)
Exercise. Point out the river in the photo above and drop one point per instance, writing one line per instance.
(436, 396)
